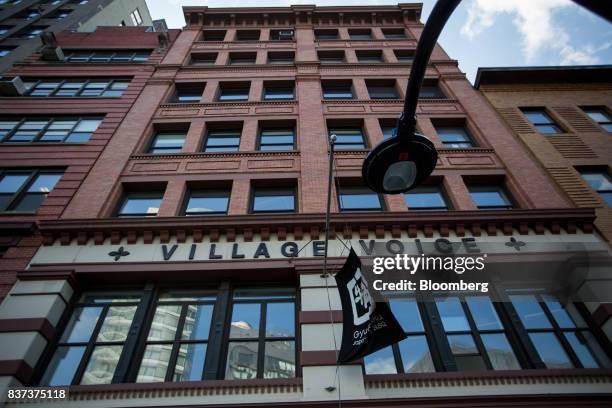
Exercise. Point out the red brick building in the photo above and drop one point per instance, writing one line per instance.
(186, 269)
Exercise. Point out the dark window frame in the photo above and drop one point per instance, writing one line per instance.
(242, 58)
(604, 194)
(264, 128)
(606, 125)
(229, 87)
(467, 142)
(137, 195)
(115, 56)
(253, 193)
(500, 189)
(326, 34)
(360, 34)
(335, 129)
(248, 35)
(21, 192)
(435, 188)
(194, 60)
(365, 191)
(110, 82)
(215, 33)
(325, 56)
(394, 33)
(212, 193)
(152, 148)
(538, 126)
(278, 85)
(275, 34)
(370, 56)
(280, 57)
(50, 121)
(237, 130)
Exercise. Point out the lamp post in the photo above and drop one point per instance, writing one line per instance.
(405, 160)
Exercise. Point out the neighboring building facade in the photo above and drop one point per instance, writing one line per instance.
(187, 268)
(564, 116)
(22, 21)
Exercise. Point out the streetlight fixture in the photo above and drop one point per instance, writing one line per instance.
(405, 160)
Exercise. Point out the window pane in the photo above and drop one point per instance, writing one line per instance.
(241, 360)
(44, 183)
(88, 125)
(415, 355)
(279, 360)
(462, 344)
(483, 313)
(190, 362)
(63, 365)
(273, 201)
(245, 320)
(550, 350)
(452, 315)
(598, 115)
(380, 362)
(63, 125)
(78, 138)
(30, 202)
(210, 204)
(165, 322)
(197, 322)
(154, 363)
(117, 323)
(81, 324)
(280, 320)
(53, 136)
(530, 312)
(537, 116)
(488, 197)
(425, 197)
(102, 364)
(548, 129)
(598, 181)
(562, 315)
(359, 198)
(10, 183)
(500, 352)
(140, 206)
(587, 348)
(407, 313)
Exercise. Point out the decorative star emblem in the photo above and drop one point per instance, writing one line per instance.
(513, 243)
(118, 253)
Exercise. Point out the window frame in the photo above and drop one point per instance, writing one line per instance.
(215, 193)
(278, 85)
(320, 36)
(248, 33)
(468, 140)
(215, 34)
(370, 56)
(280, 57)
(193, 58)
(500, 189)
(18, 195)
(601, 110)
(327, 59)
(538, 125)
(84, 82)
(605, 175)
(253, 194)
(237, 129)
(50, 120)
(138, 194)
(394, 33)
(133, 55)
(334, 129)
(359, 34)
(224, 88)
(264, 128)
(437, 188)
(152, 147)
(364, 189)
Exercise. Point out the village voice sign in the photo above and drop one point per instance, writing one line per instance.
(367, 325)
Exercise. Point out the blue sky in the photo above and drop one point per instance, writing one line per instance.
(481, 33)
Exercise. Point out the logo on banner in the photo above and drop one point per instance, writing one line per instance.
(361, 300)
(367, 326)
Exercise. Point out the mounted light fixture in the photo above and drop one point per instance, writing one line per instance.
(405, 160)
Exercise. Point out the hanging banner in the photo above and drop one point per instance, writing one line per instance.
(367, 326)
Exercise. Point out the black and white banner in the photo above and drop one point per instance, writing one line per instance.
(367, 326)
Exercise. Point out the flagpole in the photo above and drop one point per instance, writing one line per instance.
(332, 141)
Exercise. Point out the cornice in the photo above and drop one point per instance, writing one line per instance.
(205, 155)
(225, 104)
(476, 222)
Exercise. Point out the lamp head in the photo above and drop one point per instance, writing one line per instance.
(393, 167)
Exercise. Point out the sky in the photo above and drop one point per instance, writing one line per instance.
(480, 33)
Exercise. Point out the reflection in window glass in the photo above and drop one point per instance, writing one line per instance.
(380, 362)
(63, 366)
(407, 314)
(273, 200)
(500, 352)
(190, 362)
(483, 313)
(101, 366)
(452, 315)
(415, 355)
(280, 319)
(357, 198)
(550, 350)
(530, 312)
(205, 202)
(245, 320)
(279, 360)
(241, 360)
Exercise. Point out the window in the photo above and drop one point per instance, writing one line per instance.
(70, 88)
(61, 14)
(369, 56)
(430, 91)
(32, 32)
(601, 116)
(326, 34)
(104, 330)
(382, 89)
(208, 58)
(242, 58)
(177, 342)
(404, 56)
(541, 121)
(230, 92)
(268, 199)
(331, 57)
(106, 56)
(4, 51)
(214, 35)
(29, 14)
(90, 347)
(205, 202)
(281, 35)
(262, 335)
(137, 204)
(425, 198)
(223, 140)
(559, 334)
(279, 58)
(5, 29)
(25, 190)
(135, 16)
(276, 138)
(337, 89)
(601, 182)
(50, 130)
(454, 137)
(475, 334)
(394, 33)
(347, 138)
(247, 35)
(167, 142)
(411, 355)
(360, 34)
(278, 90)
(358, 198)
(387, 126)
(490, 197)
(188, 93)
